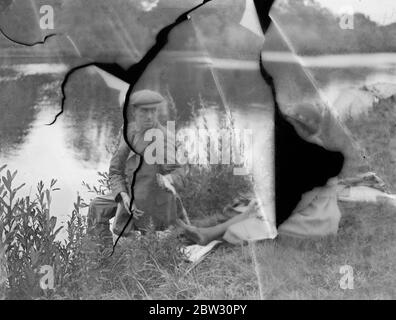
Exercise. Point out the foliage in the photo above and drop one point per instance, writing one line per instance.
(30, 232)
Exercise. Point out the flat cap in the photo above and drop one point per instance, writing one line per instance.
(146, 98)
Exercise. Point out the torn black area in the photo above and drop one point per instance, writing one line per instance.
(28, 44)
(299, 165)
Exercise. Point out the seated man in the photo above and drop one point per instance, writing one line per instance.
(151, 202)
(317, 213)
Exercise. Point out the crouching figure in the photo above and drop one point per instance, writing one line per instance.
(151, 202)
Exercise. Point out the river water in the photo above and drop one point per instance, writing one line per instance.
(79, 144)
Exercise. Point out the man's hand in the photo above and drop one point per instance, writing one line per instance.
(126, 199)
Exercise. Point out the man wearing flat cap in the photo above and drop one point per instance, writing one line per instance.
(151, 201)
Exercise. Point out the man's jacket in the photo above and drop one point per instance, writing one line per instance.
(156, 203)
